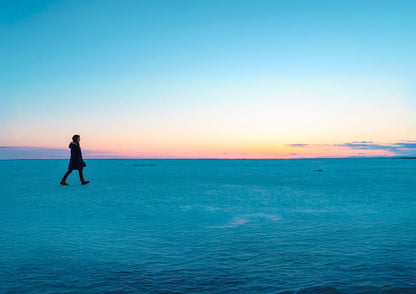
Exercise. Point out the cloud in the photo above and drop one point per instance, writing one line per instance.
(17, 152)
(394, 147)
(368, 146)
(362, 142)
(299, 145)
(405, 147)
(308, 145)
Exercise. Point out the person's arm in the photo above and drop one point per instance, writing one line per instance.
(74, 152)
(80, 155)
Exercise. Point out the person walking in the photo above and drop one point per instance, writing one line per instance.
(76, 162)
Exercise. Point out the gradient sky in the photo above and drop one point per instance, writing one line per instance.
(228, 79)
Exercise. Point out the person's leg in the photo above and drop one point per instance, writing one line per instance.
(63, 181)
(81, 177)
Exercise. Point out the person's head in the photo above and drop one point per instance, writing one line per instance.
(76, 138)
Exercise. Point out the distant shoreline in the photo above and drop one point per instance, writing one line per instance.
(309, 158)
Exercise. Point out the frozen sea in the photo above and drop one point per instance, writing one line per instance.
(209, 226)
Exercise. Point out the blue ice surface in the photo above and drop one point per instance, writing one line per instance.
(209, 226)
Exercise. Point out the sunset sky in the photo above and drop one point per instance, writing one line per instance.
(208, 79)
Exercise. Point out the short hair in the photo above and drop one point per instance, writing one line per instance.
(75, 137)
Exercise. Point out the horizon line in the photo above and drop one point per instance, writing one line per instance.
(354, 149)
(222, 158)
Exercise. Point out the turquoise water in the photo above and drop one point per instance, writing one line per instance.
(212, 226)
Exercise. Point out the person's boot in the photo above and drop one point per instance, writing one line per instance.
(63, 182)
(84, 182)
(81, 177)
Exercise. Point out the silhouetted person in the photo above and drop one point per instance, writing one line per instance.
(76, 161)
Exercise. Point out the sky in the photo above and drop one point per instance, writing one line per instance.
(208, 79)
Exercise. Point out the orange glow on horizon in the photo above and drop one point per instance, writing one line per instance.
(262, 152)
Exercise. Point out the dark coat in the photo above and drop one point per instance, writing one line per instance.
(76, 161)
